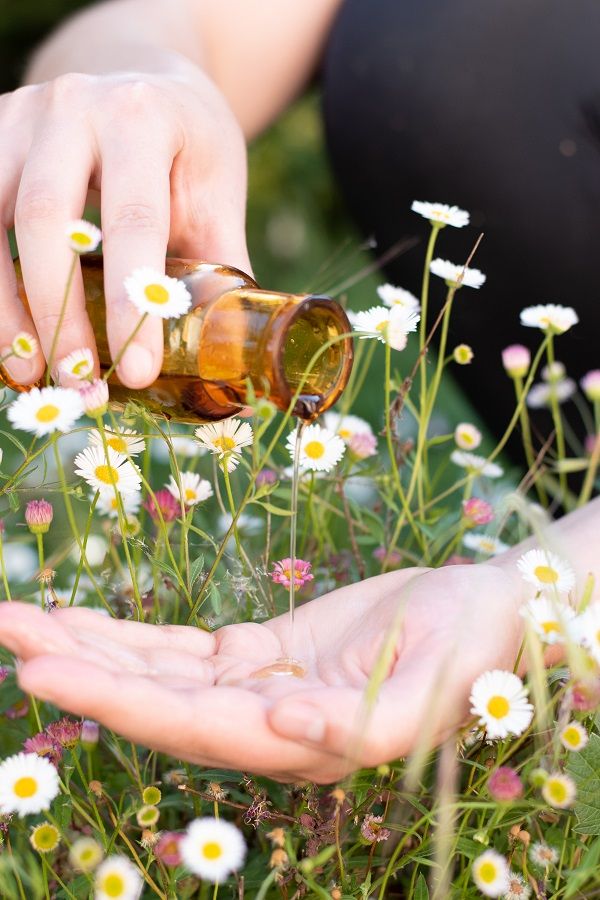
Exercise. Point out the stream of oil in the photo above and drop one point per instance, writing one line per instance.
(289, 665)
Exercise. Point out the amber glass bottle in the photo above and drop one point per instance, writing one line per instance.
(234, 335)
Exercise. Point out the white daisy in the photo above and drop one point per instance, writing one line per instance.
(542, 394)
(585, 629)
(157, 294)
(401, 323)
(115, 473)
(546, 571)
(549, 317)
(193, 487)
(559, 790)
(346, 426)
(24, 345)
(441, 213)
(83, 236)
(117, 877)
(549, 618)
(555, 371)
(320, 448)
(467, 436)
(573, 736)
(123, 440)
(79, 364)
(491, 873)
(45, 410)
(212, 849)
(85, 853)
(476, 465)
(500, 700)
(543, 855)
(372, 323)
(451, 273)
(390, 295)
(483, 543)
(28, 784)
(108, 505)
(226, 439)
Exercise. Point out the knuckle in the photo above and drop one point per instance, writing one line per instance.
(135, 216)
(47, 320)
(39, 203)
(134, 96)
(68, 86)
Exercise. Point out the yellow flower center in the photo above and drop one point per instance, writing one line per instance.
(466, 437)
(107, 474)
(547, 627)
(45, 837)
(113, 885)
(345, 433)
(571, 736)
(86, 855)
(47, 413)
(118, 444)
(382, 326)
(81, 367)
(546, 574)
(156, 293)
(556, 790)
(498, 706)
(314, 449)
(190, 494)
(487, 546)
(24, 345)
(78, 237)
(212, 850)
(488, 872)
(26, 786)
(224, 443)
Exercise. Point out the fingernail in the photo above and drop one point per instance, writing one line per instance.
(19, 370)
(137, 366)
(300, 721)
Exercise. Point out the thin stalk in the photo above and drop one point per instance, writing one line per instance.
(121, 352)
(61, 316)
(231, 502)
(3, 567)
(557, 419)
(40, 549)
(527, 442)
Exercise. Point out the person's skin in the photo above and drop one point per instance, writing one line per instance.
(188, 693)
(150, 104)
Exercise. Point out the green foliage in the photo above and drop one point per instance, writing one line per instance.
(584, 766)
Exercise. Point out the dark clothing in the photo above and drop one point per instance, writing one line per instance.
(493, 106)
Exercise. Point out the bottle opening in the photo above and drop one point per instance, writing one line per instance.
(317, 322)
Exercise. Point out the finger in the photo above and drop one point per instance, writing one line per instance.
(135, 225)
(51, 193)
(225, 726)
(209, 216)
(14, 320)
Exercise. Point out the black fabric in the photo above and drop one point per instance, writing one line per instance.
(494, 106)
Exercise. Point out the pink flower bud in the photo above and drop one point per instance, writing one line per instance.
(477, 511)
(95, 397)
(166, 506)
(391, 558)
(38, 515)
(516, 360)
(90, 734)
(266, 476)
(590, 384)
(363, 445)
(504, 784)
(3, 674)
(167, 848)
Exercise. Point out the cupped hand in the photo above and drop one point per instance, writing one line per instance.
(169, 160)
(191, 694)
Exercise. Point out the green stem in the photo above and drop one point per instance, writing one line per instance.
(121, 352)
(61, 317)
(527, 442)
(40, 547)
(557, 419)
(231, 502)
(3, 567)
(86, 535)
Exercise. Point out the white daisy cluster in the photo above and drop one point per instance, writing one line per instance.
(226, 440)
(388, 325)
(440, 214)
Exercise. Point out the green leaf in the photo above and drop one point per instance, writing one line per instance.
(196, 570)
(584, 768)
(215, 598)
(421, 889)
(275, 510)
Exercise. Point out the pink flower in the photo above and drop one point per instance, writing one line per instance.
(266, 476)
(504, 784)
(584, 696)
(38, 515)
(165, 505)
(362, 445)
(3, 674)
(457, 560)
(167, 848)
(391, 559)
(477, 511)
(90, 734)
(65, 732)
(19, 710)
(371, 829)
(516, 360)
(590, 443)
(45, 746)
(282, 572)
(591, 384)
(94, 395)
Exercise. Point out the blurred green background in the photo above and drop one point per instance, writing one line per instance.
(298, 233)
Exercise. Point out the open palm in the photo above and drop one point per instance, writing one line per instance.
(191, 694)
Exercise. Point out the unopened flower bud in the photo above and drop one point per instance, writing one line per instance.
(516, 360)
(277, 837)
(590, 384)
(96, 787)
(94, 395)
(90, 734)
(505, 785)
(477, 511)
(279, 859)
(167, 848)
(463, 354)
(38, 515)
